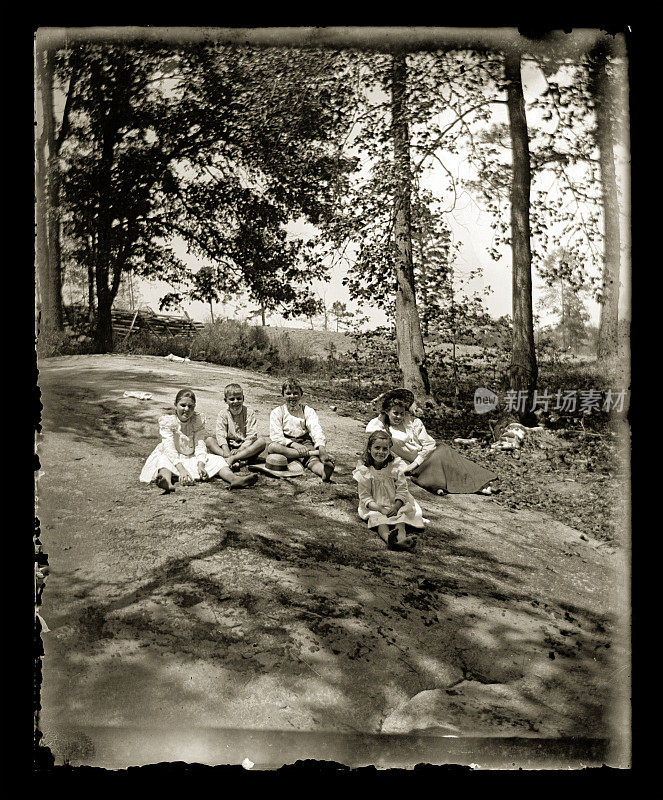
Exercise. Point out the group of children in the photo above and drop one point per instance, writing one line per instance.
(398, 446)
(187, 452)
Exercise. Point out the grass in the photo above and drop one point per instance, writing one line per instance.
(356, 367)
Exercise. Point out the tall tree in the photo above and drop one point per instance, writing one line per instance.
(221, 147)
(604, 90)
(376, 216)
(567, 192)
(43, 272)
(341, 313)
(410, 345)
(113, 172)
(206, 287)
(522, 372)
(586, 120)
(584, 107)
(48, 208)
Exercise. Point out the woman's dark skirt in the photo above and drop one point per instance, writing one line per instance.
(446, 469)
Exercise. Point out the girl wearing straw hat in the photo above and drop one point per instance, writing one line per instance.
(437, 468)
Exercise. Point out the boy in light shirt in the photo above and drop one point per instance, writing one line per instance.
(295, 432)
(236, 437)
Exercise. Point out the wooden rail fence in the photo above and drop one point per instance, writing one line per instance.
(126, 323)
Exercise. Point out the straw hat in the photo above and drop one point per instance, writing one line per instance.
(278, 466)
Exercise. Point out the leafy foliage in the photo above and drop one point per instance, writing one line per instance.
(563, 296)
(218, 146)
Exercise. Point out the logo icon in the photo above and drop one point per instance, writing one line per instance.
(485, 400)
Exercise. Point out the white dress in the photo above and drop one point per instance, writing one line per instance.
(383, 486)
(181, 442)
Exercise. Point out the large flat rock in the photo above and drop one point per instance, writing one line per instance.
(273, 608)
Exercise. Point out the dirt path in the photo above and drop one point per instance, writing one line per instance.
(273, 608)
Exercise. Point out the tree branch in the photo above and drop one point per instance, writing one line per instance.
(459, 118)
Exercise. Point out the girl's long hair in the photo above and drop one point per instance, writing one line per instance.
(367, 458)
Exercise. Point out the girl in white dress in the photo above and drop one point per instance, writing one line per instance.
(384, 500)
(182, 453)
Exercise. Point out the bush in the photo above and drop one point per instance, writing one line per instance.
(291, 353)
(233, 344)
(578, 373)
(53, 343)
(149, 344)
(226, 342)
(62, 343)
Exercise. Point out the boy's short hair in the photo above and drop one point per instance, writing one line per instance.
(291, 383)
(235, 386)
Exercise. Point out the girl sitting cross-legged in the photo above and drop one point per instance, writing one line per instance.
(384, 500)
(182, 454)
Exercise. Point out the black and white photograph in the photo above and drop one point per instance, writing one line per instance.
(333, 351)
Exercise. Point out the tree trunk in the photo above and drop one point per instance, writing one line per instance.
(131, 290)
(211, 312)
(103, 335)
(604, 93)
(103, 331)
(409, 342)
(455, 368)
(54, 246)
(262, 313)
(41, 252)
(90, 294)
(48, 228)
(522, 372)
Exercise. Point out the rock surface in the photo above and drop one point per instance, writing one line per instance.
(274, 608)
